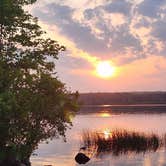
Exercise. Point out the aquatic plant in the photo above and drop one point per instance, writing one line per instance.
(121, 142)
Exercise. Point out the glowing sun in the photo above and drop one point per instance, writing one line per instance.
(104, 69)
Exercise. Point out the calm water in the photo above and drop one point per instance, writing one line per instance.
(59, 153)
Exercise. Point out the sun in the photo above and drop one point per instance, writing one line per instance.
(104, 69)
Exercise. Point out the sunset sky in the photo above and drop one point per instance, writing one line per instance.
(112, 45)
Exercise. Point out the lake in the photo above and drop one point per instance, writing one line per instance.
(146, 119)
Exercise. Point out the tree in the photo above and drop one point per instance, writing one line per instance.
(34, 103)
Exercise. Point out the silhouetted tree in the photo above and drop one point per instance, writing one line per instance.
(34, 103)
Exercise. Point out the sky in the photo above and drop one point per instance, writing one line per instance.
(130, 35)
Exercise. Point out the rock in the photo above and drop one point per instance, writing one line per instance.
(81, 158)
(83, 148)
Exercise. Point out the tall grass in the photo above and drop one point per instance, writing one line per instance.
(121, 141)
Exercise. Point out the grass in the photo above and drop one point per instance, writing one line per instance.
(121, 142)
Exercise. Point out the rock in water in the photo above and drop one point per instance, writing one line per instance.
(81, 158)
(83, 148)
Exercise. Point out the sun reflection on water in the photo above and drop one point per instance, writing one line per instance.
(104, 114)
(107, 133)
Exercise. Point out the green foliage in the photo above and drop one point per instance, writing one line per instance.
(34, 103)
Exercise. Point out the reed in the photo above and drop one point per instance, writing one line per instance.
(121, 142)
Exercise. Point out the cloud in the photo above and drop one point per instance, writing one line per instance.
(89, 14)
(158, 30)
(80, 34)
(112, 28)
(151, 8)
(119, 6)
(69, 62)
(129, 33)
(122, 38)
(142, 22)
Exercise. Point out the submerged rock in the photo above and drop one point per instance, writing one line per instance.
(81, 158)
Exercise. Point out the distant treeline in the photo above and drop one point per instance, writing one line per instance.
(123, 98)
